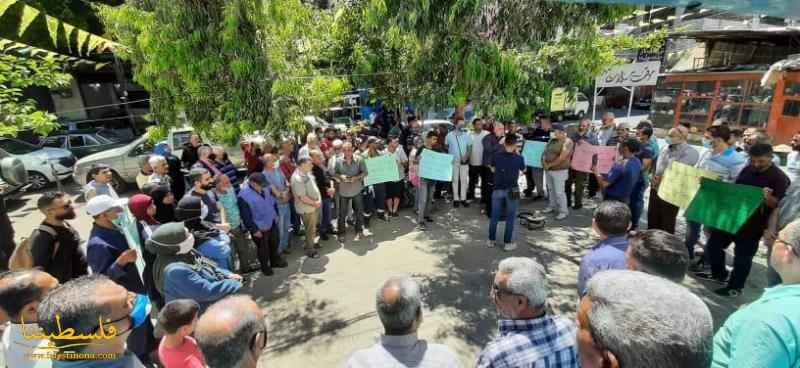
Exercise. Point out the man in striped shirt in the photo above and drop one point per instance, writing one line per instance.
(530, 336)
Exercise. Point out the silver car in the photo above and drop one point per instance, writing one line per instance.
(123, 161)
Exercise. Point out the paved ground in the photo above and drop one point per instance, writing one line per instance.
(319, 311)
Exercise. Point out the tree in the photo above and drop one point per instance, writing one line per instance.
(504, 54)
(233, 66)
(16, 74)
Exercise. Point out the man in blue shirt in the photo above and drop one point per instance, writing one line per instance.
(507, 167)
(257, 208)
(611, 222)
(622, 177)
(459, 145)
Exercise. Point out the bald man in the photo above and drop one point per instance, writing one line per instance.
(20, 294)
(399, 305)
(232, 333)
(661, 214)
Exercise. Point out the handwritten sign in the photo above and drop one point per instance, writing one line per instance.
(587, 154)
(635, 74)
(436, 166)
(724, 206)
(680, 183)
(381, 169)
(532, 153)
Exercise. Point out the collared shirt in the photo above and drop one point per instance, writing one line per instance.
(158, 179)
(304, 185)
(507, 168)
(682, 153)
(622, 178)
(353, 168)
(458, 143)
(14, 347)
(603, 135)
(403, 351)
(544, 342)
(727, 164)
(765, 333)
(476, 153)
(608, 254)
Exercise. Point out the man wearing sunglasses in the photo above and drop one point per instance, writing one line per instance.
(232, 333)
(765, 332)
(80, 304)
(55, 244)
(530, 336)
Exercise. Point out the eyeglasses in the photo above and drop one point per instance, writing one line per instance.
(498, 292)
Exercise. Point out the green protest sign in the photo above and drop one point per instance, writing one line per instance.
(724, 206)
(381, 169)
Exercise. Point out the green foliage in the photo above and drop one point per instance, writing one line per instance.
(16, 74)
(233, 66)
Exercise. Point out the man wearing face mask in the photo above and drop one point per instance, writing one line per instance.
(79, 304)
(55, 244)
(762, 173)
(793, 159)
(530, 336)
(108, 253)
(662, 214)
(459, 145)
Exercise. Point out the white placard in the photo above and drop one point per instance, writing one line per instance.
(636, 74)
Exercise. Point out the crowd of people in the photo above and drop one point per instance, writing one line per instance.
(185, 242)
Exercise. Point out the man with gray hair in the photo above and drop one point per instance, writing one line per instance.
(629, 319)
(160, 173)
(232, 333)
(661, 214)
(659, 253)
(530, 336)
(399, 305)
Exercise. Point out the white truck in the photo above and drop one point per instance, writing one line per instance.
(565, 105)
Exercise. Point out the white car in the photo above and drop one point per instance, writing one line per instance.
(45, 165)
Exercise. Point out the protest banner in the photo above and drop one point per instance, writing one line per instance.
(131, 232)
(436, 166)
(586, 155)
(381, 169)
(532, 153)
(724, 206)
(680, 183)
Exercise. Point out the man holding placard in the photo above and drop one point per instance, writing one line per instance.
(426, 185)
(555, 161)
(619, 183)
(459, 145)
(582, 136)
(662, 214)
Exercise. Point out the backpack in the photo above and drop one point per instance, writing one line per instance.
(22, 258)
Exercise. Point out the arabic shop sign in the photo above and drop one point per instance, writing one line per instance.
(636, 74)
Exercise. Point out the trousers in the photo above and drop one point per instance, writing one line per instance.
(746, 246)
(343, 207)
(556, 195)
(575, 196)
(534, 177)
(474, 176)
(310, 221)
(267, 247)
(501, 197)
(460, 181)
(424, 198)
(661, 214)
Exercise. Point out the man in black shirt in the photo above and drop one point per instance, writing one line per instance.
(762, 173)
(491, 147)
(189, 154)
(59, 254)
(325, 185)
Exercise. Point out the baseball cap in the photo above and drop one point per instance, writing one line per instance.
(259, 179)
(557, 126)
(103, 203)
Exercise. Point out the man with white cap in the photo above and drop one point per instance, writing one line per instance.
(108, 253)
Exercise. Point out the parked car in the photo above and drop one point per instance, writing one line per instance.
(435, 123)
(124, 163)
(178, 137)
(83, 142)
(13, 176)
(44, 165)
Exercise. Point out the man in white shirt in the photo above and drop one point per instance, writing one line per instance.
(20, 294)
(475, 156)
(459, 145)
(793, 159)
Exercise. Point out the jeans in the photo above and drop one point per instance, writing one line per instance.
(534, 176)
(324, 225)
(636, 203)
(474, 175)
(424, 198)
(499, 198)
(284, 221)
(218, 249)
(746, 246)
(460, 181)
(692, 237)
(575, 196)
(344, 206)
(557, 197)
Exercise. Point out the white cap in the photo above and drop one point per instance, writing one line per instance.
(103, 203)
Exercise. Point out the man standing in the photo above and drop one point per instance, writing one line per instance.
(312, 143)
(646, 157)
(555, 162)
(20, 295)
(507, 167)
(611, 222)
(160, 173)
(189, 154)
(582, 136)
(325, 185)
(661, 214)
(793, 159)
(530, 336)
(426, 186)
(399, 305)
(307, 202)
(279, 188)
(459, 145)
(108, 253)
(55, 244)
(602, 136)
(762, 173)
(232, 333)
(534, 176)
(491, 147)
(475, 156)
(257, 209)
(622, 177)
(202, 183)
(349, 172)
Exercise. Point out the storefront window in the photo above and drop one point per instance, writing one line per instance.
(791, 108)
(754, 116)
(700, 88)
(665, 98)
(759, 94)
(792, 89)
(695, 111)
(732, 91)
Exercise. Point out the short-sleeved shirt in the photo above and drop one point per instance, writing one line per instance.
(349, 169)
(622, 178)
(608, 254)
(476, 153)
(457, 144)
(506, 170)
(646, 153)
(304, 185)
(772, 178)
(554, 149)
(187, 355)
(401, 158)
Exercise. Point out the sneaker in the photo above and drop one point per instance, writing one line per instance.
(708, 276)
(577, 207)
(466, 204)
(509, 247)
(548, 210)
(699, 267)
(428, 219)
(490, 243)
(366, 232)
(312, 254)
(561, 216)
(422, 227)
(456, 204)
(267, 271)
(728, 291)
